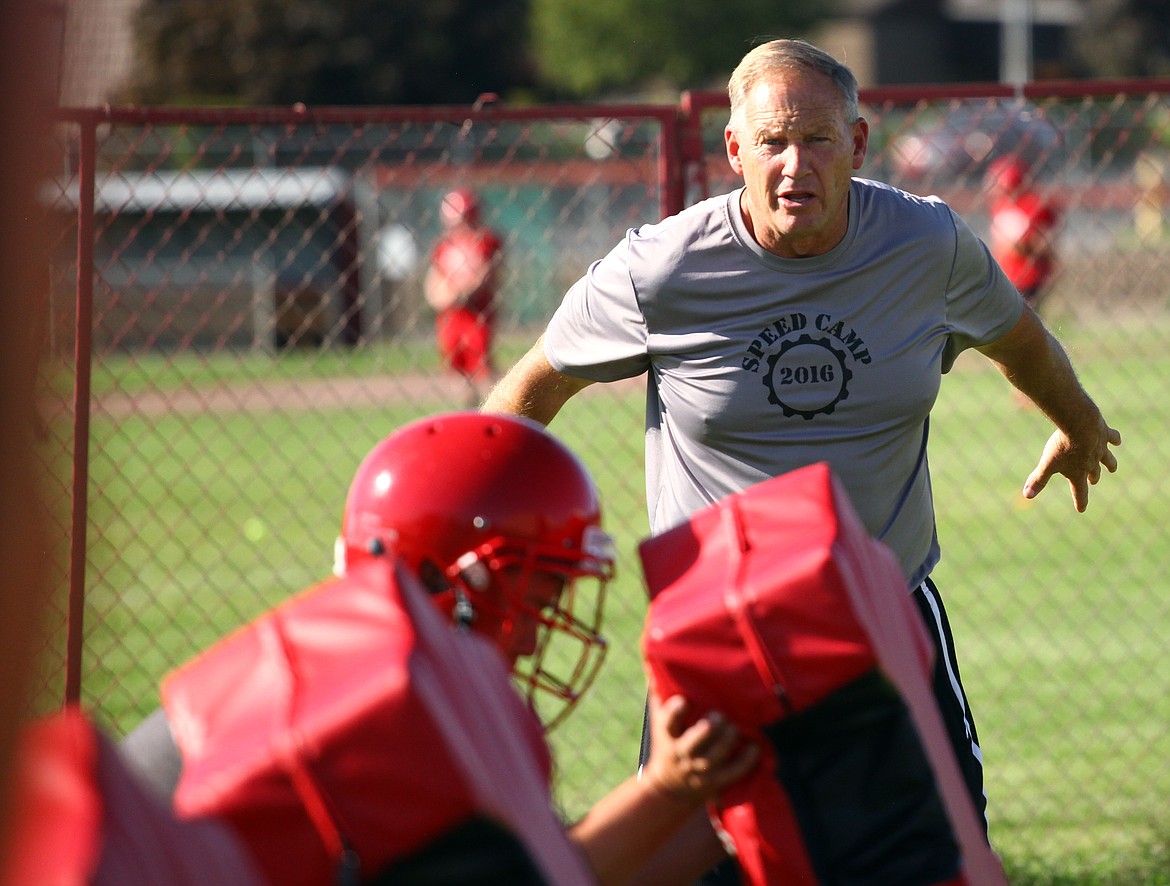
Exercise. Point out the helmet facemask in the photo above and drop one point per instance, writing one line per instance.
(544, 604)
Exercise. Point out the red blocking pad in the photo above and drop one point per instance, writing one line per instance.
(776, 607)
(352, 726)
(85, 820)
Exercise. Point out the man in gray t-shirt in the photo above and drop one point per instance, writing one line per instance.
(809, 316)
(759, 364)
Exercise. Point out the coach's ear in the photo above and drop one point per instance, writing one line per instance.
(731, 142)
(860, 132)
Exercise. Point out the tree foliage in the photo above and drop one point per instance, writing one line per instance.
(451, 51)
(440, 51)
(329, 51)
(586, 47)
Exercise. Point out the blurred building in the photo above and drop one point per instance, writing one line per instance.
(950, 41)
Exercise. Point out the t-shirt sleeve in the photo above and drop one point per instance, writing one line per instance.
(982, 303)
(599, 332)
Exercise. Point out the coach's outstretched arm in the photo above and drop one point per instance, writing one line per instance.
(532, 388)
(1033, 360)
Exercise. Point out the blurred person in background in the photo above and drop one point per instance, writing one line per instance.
(810, 316)
(1023, 229)
(500, 525)
(462, 287)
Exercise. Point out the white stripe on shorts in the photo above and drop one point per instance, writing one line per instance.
(948, 657)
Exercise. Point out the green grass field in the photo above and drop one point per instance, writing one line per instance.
(200, 520)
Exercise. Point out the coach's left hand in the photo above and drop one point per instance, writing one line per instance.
(1080, 460)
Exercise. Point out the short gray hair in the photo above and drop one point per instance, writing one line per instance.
(777, 55)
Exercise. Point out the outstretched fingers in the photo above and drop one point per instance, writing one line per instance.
(1080, 464)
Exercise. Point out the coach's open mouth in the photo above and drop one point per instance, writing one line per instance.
(797, 198)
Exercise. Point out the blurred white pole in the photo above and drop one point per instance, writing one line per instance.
(1015, 42)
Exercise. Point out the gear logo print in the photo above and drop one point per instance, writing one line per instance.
(807, 377)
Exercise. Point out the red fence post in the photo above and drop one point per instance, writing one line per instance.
(691, 143)
(83, 353)
(672, 166)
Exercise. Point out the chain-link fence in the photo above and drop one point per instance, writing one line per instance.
(236, 316)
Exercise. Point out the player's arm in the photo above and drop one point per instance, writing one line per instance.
(1031, 358)
(453, 278)
(689, 853)
(533, 388)
(688, 765)
(493, 270)
(476, 273)
(440, 293)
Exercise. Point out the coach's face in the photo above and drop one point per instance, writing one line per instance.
(796, 153)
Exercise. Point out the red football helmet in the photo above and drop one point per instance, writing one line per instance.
(1006, 174)
(459, 206)
(502, 523)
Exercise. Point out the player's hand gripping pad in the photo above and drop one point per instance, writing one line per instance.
(351, 733)
(777, 608)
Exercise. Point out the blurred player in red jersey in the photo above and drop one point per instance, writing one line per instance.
(1022, 229)
(461, 286)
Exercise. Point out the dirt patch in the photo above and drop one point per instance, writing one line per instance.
(443, 391)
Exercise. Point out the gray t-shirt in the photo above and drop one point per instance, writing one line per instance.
(759, 365)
